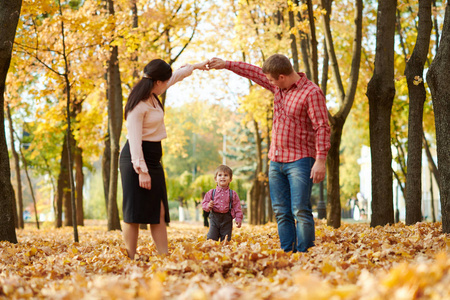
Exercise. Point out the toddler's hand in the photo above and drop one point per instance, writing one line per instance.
(238, 224)
(211, 204)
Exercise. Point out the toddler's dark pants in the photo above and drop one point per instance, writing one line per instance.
(205, 218)
(220, 226)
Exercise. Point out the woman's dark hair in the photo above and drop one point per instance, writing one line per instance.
(155, 70)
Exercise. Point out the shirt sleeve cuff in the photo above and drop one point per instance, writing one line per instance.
(320, 155)
(140, 166)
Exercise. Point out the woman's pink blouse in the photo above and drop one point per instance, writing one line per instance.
(146, 122)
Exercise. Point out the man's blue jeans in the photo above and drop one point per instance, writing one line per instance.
(290, 190)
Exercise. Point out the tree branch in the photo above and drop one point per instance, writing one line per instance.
(331, 51)
(399, 183)
(169, 22)
(40, 61)
(188, 42)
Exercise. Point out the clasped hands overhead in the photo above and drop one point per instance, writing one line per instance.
(214, 63)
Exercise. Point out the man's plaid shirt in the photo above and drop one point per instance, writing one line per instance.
(300, 119)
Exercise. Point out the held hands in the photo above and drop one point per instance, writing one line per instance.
(145, 181)
(215, 63)
(201, 65)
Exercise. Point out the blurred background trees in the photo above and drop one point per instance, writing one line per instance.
(211, 117)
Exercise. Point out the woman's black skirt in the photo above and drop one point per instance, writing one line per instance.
(141, 205)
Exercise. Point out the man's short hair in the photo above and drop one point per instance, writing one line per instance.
(276, 65)
(225, 169)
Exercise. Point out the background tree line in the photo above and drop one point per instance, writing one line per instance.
(74, 63)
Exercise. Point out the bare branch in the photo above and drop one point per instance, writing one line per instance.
(167, 28)
(188, 42)
(40, 61)
(399, 183)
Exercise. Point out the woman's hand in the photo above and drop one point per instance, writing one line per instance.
(201, 66)
(145, 181)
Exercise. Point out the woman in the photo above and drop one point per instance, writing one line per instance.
(143, 183)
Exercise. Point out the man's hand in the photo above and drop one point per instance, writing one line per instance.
(216, 63)
(318, 171)
(145, 181)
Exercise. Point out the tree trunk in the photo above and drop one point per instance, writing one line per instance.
(325, 68)
(401, 161)
(270, 214)
(115, 116)
(346, 99)
(68, 208)
(294, 49)
(25, 165)
(417, 97)
(263, 202)
(62, 185)
(322, 205)
(433, 173)
(135, 24)
(9, 16)
(70, 141)
(134, 58)
(257, 195)
(304, 44)
(433, 209)
(259, 209)
(313, 43)
(77, 108)
(437, 78)
(251, 202)
(402, 188)
(67, 204)
(16, 218)
(436, 27)
(17, 223)
(333, 189)
(106, 168)
(79, 179)
(106, 158)
(433, 168)
(381, 92)
(16, 160)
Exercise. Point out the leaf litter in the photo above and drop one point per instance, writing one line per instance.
(352, 262)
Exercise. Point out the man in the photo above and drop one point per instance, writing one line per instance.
(299, 147)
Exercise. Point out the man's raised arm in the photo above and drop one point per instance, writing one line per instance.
(243, 69)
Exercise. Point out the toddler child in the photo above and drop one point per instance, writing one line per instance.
(224, 206)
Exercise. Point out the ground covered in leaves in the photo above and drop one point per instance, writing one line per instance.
(352, 262)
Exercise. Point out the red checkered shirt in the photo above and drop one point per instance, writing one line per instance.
(300, 119)
(222, 202)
